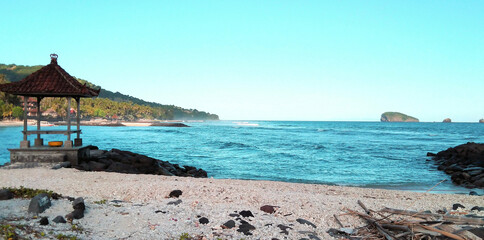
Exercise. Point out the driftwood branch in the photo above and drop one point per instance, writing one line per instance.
(338, 221)
(447, 234)
(454, 219)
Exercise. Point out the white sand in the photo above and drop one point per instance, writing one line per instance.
(215, 199)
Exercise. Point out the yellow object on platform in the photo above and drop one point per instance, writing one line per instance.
(55, 144)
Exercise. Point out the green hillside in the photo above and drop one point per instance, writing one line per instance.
(108, 105)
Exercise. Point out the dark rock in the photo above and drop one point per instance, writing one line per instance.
(246, 214)
(333, 232)
(132, 163)
(464, 163)
(479, 183)
(39, 203)
(175, 193)
(314, 237)
(203, 220)
(477, 208)
(246, 228)
(284, 229)
(78, 203)
(234, 215)
(175, 202)
(120, 168)
(447, 120)
(5, 194)
(302, 221)
(96, 166)
(229, 224)
(76, 214)
(268, 209)
(44, 221)
(160, 124)
(429, 154)
(62, 165)
(457, 205)
(473, 193)
(59, 219)
(242, 221)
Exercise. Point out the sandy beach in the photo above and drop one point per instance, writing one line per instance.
(138, 207)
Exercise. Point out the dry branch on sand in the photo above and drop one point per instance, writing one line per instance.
(389, 224)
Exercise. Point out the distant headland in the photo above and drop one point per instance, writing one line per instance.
(397, 117)
(108, 105)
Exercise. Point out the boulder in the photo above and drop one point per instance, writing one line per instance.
(5, 194)
(59, 219)
(96, 166)
(39, 203)
(78, 203)
(128, 162)
(76, 214)
(465, 164)
(481, 120)
(447, 120)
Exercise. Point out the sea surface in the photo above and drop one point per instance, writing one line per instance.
(367, 154)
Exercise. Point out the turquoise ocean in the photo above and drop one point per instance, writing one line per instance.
(366, 154)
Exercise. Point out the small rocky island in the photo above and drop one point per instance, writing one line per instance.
(447, 120)
(481, 121)
(397, 117)
(464, 163)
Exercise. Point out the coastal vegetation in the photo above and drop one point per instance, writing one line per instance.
(397, 117)
(108, 105)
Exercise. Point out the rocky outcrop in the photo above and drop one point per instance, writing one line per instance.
(447, 120)
(481, 121)
(128, 162)
(397, 117)
(158, 124)
(464, 163)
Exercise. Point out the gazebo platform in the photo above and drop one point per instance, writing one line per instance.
(46, 154)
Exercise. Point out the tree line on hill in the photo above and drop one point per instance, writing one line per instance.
(108, 105)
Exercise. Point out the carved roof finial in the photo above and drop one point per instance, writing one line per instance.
(53, 58)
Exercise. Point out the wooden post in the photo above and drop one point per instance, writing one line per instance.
(78, 117)
(25, 118)
(78, 140)
(38, 141)
(25, 143)
(68, 143)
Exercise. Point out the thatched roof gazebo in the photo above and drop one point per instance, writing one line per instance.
(50, 81)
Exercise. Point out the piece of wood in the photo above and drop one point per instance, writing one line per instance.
(458, 231)
(373, 222)
(364, 207)
(402, 228)
(447, 234)
(338, 221)
(454, 219)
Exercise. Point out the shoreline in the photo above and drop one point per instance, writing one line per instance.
(31, 122)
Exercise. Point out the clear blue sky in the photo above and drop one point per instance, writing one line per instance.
(265, 60)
